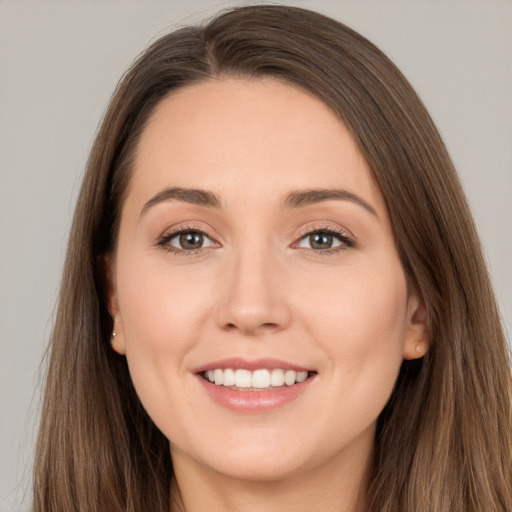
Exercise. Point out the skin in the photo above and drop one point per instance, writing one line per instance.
(258, 289)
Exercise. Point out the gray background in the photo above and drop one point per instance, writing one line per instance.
(59, 62)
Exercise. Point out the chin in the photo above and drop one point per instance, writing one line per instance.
(260, 469)
(253, 461)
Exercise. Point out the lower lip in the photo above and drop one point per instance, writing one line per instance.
(254, 401)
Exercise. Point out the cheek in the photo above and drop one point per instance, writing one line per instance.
(162, 317)
(358, 307)
(359, 320)
(159, 305)
(360, 326)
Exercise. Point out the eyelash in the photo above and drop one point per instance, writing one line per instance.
(164, 240)
(346, 240)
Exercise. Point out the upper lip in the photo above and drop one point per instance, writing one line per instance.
(236, 363)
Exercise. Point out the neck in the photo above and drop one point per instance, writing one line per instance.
(334, 487)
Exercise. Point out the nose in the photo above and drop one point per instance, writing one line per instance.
(253, 297)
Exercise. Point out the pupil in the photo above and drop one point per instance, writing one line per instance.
(321, 241)
(191, 240)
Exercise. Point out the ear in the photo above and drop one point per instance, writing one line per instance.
(417, 336)
(107, 265)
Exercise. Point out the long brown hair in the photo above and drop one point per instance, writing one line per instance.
(443, 440)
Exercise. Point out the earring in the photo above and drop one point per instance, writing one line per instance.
(113, 339)
(418, 348)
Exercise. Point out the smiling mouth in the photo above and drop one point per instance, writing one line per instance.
(257, 380)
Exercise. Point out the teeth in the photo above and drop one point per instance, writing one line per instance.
(302, 376)
(243, 379)
(290, 377)
(277, 378)
(229, 377)
(218, 377)
(259, 379)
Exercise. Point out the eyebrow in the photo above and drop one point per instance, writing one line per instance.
(295, 199)
(308, 197)
(187, 195)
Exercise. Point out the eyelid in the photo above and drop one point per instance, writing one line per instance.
(345, 236)
(173, 231)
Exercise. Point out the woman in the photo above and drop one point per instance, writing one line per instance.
(274, 295)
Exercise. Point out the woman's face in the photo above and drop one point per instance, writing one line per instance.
(254, 248)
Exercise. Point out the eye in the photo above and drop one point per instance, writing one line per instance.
(324, 240)
(186, 240)
(320, 241)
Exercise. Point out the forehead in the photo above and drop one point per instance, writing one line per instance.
(250, 139)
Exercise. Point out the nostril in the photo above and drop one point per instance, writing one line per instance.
(251, 328)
